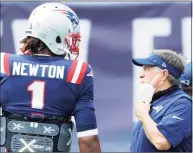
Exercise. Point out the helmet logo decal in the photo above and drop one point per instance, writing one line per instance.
(73, 18)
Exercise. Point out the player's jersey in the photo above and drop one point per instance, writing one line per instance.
(48, 86)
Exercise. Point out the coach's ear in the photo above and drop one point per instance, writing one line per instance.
(165, 74)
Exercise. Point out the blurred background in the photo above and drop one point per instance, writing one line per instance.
(112, 33)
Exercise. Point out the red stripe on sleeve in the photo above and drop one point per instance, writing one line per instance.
(72, 70)
(82, 73)
(6, 64)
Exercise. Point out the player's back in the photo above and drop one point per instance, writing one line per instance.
(40, 85)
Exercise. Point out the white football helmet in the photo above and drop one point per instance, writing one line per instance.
(57, 26)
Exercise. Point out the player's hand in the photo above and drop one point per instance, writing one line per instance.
(142, 110)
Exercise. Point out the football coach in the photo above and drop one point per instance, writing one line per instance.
(164, 110)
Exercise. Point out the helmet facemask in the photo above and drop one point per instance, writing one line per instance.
(72, 41)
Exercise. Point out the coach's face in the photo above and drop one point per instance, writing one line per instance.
(148, 73)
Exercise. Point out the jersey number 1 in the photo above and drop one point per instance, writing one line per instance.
(37, 88)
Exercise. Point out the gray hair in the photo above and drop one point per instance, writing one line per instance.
(174, 59)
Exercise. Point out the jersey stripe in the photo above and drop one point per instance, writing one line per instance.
(2, 63)
(77, 72)
(87, 133)
(5, 69)
(72, 70)
(82, 73)
(6, 64)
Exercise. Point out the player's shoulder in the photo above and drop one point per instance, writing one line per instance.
(4, 55)
(79, 71)
(5, 64)
(9, 56)
(6, 58)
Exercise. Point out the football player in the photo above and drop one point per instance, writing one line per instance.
(42, 88)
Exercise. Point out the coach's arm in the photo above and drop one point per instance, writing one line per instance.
(154, 135)
(174, 127)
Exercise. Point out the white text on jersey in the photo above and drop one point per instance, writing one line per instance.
(40, 70)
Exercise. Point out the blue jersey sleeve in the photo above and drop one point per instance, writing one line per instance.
(176, 124)
(84, 111)
(4, 70)
(2, 96)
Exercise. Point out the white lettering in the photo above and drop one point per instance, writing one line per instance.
(33, 69)
(23, 68)
(43, 69)
(16, 68)
(28, 69)
(60, 72)
(52, 71)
